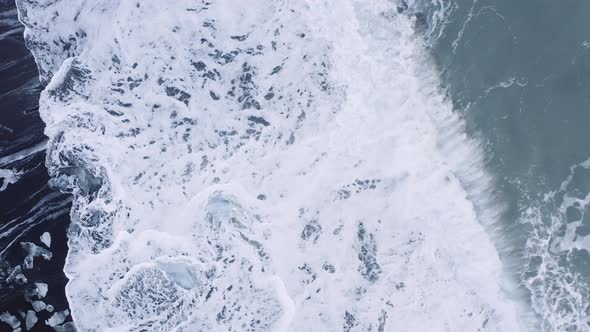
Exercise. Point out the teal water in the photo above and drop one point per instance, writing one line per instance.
(519, 72)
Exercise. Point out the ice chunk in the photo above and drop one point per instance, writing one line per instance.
(350, 100)
(180, 273)
(32, 252)
(31, 319)
(67, 327)
(39, 291)
(9, 176)
(28, 262)
(46, 239)
(42, 288)
(10, 320)
(38, 305)
(49, 308)
(219, 210)
(20, 278)
(57, 318)
(16, 275)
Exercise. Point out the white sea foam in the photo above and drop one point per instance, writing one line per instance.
(559, 246)
(34, 251)
(262, 165)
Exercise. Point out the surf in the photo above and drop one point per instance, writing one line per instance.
(263, 166)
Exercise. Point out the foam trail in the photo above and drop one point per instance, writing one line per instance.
(23, 153)
(48, 208)
(261, 165)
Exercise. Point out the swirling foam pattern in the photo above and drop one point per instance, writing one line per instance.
(260, 165)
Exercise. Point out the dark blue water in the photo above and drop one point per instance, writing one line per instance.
(28, 207)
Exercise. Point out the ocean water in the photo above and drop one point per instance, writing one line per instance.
(520, 78)
(313, 166)
(28, 207)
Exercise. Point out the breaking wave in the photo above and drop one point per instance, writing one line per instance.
(263, 165)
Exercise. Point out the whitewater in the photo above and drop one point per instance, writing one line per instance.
(264, 165)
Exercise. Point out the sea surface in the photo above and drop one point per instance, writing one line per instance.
(294, 165)
(521, 79)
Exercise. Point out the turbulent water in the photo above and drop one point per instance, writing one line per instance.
(306, 166)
